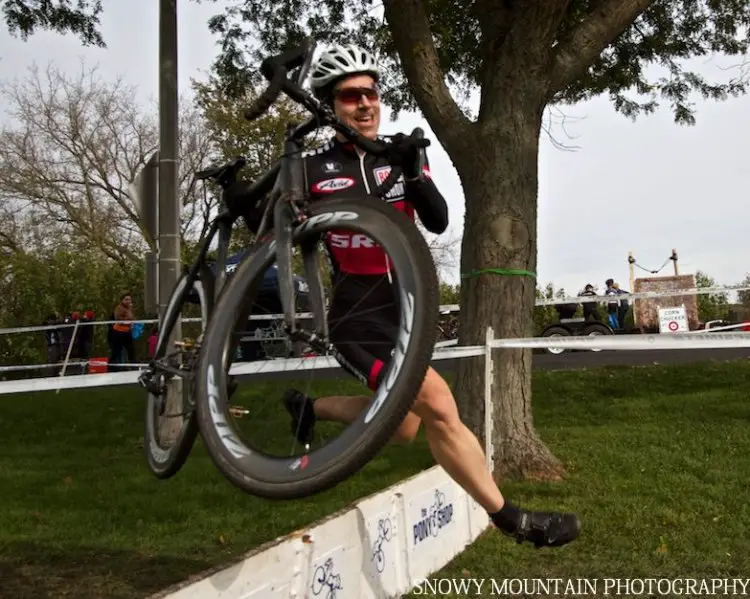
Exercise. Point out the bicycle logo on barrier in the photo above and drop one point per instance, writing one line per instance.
(434, 519)
(325, 577)
(384, 535)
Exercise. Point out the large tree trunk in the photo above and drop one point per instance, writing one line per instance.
(500, 185)
(523, 64)
(525, 59)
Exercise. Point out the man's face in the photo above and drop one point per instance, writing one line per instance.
(127, 301)
(356, 101)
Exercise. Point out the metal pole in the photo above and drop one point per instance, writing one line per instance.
(631, 266)
(169, 208)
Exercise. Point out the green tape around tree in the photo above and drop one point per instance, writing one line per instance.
(507, 272)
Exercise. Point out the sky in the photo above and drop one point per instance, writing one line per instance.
(646, 186)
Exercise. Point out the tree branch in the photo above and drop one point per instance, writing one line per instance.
(412, 37)
(587, 41)
(516, 39)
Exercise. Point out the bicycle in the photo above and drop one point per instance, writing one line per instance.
(197, 285)
(289, 220)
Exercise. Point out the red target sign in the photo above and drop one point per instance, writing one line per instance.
(673, 320)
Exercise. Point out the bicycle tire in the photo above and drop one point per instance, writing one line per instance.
(166, 462)
(295, 477)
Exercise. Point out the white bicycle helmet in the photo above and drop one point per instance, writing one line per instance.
(339, 61)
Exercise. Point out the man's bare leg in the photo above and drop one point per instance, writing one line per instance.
(458, 452)
(346, 408)
(453, 445)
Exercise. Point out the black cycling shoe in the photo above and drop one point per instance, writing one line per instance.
(547, 529)
(300, 408)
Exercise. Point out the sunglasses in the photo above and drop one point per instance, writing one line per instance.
(352, 95)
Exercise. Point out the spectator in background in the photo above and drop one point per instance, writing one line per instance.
(121, 332)
(54, 350)
(617, 309)
(153, 338)
(611, 305)
(86, 334)
(624, 305)
(67, 343)
(590, 309)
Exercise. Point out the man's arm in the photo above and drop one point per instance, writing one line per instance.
(428, 202)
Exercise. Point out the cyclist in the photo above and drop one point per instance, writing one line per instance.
(364, 315)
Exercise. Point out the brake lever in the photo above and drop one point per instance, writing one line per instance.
(397, 171)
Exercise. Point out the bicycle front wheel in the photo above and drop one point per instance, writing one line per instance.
(415, 288)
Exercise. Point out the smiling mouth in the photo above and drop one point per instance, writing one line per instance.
(364, 119)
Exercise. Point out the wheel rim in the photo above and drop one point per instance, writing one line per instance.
(556, 350)
(417, 323)
(595, 334)
(159, 452)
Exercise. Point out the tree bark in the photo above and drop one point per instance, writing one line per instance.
(501, 232)
(496, 159)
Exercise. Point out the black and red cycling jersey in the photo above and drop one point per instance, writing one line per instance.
(340, 169)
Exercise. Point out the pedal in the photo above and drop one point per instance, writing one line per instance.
(143, 380)
(187, 344)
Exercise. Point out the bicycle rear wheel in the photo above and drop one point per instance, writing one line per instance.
(171, 395)
(290, 477)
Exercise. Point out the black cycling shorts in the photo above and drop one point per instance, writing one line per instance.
(364, 340)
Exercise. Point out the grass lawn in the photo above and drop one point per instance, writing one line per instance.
(658, 462)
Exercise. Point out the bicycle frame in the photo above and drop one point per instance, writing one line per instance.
(285, 205)
(222, 225)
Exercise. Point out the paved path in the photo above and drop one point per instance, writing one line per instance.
(577, 360)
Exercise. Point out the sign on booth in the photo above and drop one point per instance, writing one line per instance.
(673, 320)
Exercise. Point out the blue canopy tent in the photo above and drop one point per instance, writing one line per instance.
(268, 302)
(270, 277)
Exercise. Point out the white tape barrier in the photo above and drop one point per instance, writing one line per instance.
(380, 548)
(48, 327)
(438, 346)
(729, 327)
(238, 368)
(73, 363)
(75, 381)
(612, 342)
(632, 342)
(77, 362)
(444, 309)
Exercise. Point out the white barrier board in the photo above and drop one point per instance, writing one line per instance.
(378, 549)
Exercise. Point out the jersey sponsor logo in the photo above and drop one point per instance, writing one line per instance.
(350, 241)
(397, 191)
(332, 167)
(333, 185)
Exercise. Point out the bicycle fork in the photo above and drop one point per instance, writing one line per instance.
(286, 216)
